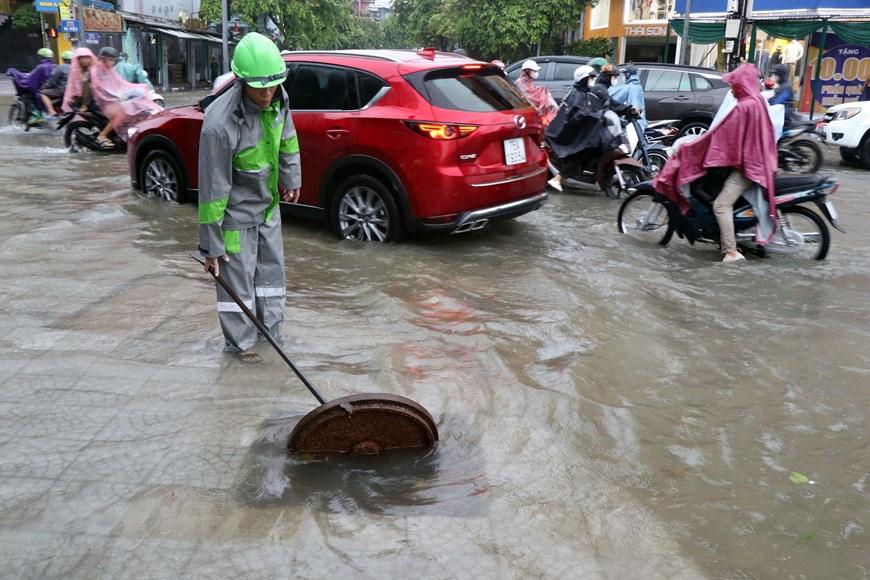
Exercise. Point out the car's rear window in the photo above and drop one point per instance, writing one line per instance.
(476, 90)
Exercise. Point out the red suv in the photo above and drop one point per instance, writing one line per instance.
(391, 142)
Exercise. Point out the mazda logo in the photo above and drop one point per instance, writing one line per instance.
(520, 121)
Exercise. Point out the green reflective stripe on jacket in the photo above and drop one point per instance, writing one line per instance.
(212, 211)
(232, 245)
(290, 145)
(251, 159)
(272, 142)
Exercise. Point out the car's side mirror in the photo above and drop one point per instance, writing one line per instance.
(205, 102)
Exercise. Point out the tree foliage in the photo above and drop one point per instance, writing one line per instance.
(308, 24)
(591, 47)
(25, 17)
(487, 29)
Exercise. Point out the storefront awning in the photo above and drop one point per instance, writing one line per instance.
(207, 37)
(173, 32)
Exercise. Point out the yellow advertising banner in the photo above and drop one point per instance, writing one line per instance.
(102, 21)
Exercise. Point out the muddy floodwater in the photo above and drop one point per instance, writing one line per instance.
(607, 410)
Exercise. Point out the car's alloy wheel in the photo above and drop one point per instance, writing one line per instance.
(693, 129)
(364, 210)
(162, 178)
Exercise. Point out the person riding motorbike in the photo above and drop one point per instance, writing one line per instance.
(631, 92)
(31, 83)
(584, 130)
(753, 163)
(540, 97)
(124, 104)
(53, 89)
(597, 63)
(783, 94)
(132, 73)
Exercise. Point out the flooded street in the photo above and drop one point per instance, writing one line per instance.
(606, 409)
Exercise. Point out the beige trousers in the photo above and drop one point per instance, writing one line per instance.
(723, 207)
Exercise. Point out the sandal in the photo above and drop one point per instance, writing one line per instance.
(249, 357)
(105, 143)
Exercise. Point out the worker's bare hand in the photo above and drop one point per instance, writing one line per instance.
(289, 195)
(214, 264)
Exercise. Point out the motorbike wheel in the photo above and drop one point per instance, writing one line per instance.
(74, 137)
(805, 157)
(161, 177)
(807, 230)
(364, 210)
(645, 219)
(18, 115)
(657, 159)
(630, 176)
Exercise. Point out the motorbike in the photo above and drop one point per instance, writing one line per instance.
(82, 129)
(796, 152)
(800, 232)
(24, 111)
(621, 171)
(652, 155)
(662, 132)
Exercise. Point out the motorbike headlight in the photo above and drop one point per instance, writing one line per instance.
(131, 131)
(844, 114)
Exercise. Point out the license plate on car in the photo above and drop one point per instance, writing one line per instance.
(831, 210)
(514, 151)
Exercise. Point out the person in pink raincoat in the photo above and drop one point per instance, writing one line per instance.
(538, 96)
(98, 83)
(744, 141)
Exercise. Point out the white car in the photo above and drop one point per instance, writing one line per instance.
(848, 127)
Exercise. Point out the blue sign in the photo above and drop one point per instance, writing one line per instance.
(92, 38)
(705, 6)
(69, 26)
(47, 5)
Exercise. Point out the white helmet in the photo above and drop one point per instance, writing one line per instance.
(582, 72)
(530, 65)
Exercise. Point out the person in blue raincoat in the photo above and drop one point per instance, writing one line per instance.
(130, 72)
(32, 82)
(631, 92)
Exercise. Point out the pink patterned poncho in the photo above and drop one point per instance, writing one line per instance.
(125, 104)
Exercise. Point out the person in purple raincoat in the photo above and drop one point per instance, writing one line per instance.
(32, 82)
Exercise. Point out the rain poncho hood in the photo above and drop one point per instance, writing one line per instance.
(33, 80)
(579, 123)
(744, 140)
(538, 96)
(124, 103)
(632, 93)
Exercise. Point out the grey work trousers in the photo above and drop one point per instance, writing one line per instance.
(723, 207)
(256, 272)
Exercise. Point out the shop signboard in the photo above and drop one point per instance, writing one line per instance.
(843, 76)
(102, 20)
(46, 5)
(69, 26)
(92, 38)
(720, 6)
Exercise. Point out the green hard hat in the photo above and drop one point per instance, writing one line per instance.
(45, 53)
(257, 62)
(597, 63)
(66, 55)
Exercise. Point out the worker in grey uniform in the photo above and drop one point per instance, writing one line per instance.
(247, 147)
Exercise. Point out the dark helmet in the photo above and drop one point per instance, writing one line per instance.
(124, 55)
(780, 69)
(629, 70)
(460, 52)
(108, 52)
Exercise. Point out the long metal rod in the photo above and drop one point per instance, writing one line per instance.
(260, 326)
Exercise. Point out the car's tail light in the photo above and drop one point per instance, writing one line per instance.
(441, 131)
(472, 66)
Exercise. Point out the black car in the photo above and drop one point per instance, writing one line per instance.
(557, 72)
(689, 94)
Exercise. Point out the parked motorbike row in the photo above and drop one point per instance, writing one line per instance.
(81, 127)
